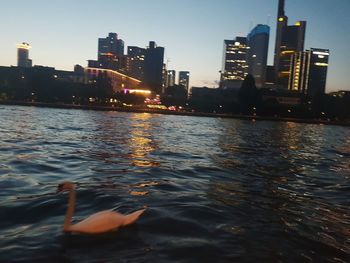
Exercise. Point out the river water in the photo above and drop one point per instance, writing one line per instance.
(217, 190)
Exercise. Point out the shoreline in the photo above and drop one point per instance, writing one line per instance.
(169, 112)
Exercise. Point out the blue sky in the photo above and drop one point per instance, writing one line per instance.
(64, 33)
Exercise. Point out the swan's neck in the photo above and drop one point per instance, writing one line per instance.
(70, 210)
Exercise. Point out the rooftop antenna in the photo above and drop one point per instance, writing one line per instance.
(167, 63)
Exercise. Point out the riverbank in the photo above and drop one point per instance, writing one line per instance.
(171, 112)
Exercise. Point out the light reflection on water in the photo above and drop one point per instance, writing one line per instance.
(141, 142)
(217, 189)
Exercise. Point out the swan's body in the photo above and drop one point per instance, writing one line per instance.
(101, 222)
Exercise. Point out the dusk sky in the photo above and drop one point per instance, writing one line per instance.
(64, 33)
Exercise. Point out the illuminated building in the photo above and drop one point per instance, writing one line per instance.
(110, 53)
(258, 42)
(165, 78)
(170, 78)
(153, 67)
(119, 81)
(309, 72)
(136, 62)
(282, 22)
(289, 40)
(184, 80)
(139, 64)
(234, 65)
(110, 44)
(318, 69)
(23, 55)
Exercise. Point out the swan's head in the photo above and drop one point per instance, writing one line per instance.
(65, 186)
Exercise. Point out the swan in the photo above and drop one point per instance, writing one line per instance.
(101, 222)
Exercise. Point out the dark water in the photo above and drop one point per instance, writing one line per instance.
(218, 190)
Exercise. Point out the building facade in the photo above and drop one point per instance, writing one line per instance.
(282, 22)
(110, 44)
(184, 80)
(153, 67)
(119, 81)
(170, 78)
(309, 72)
(289, 40)
(234, 65)
(258, 42)
(23, 55)
(136, 62)
(110, 54)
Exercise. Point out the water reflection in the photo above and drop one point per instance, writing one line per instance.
(223, 190)
(279, 172)
(141, 142)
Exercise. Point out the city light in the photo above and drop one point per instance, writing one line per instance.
(140, 91)
(320, 53)
(159, 107)
(321, 64)
(23, 46)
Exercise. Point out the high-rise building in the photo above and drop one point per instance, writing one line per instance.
(136, 62)
(153, 70)
(184, 80)
(318, 71)
(234, 64)
(110, 44)
(111, 52)
(289, 40)
(282, 22)
(23, 55)
(170, 78)
(309, 71)
(258, 42)
(298, 76)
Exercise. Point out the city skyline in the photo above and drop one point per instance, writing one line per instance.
(62, 37)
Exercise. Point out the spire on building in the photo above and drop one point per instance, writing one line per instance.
(281, 8)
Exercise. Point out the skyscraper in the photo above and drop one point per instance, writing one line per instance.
(110, 44)
(318, 71)
(153, 70)
(170, 78)
(110, 52)
(282, 22)
(23, 55)
(136, 62)
(258, 42)
(289, 40)
(184, 80)
(234, 64)
(309, 72)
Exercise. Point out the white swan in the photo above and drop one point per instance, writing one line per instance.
(101, 222)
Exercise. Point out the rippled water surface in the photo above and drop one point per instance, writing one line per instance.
(217, 190)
